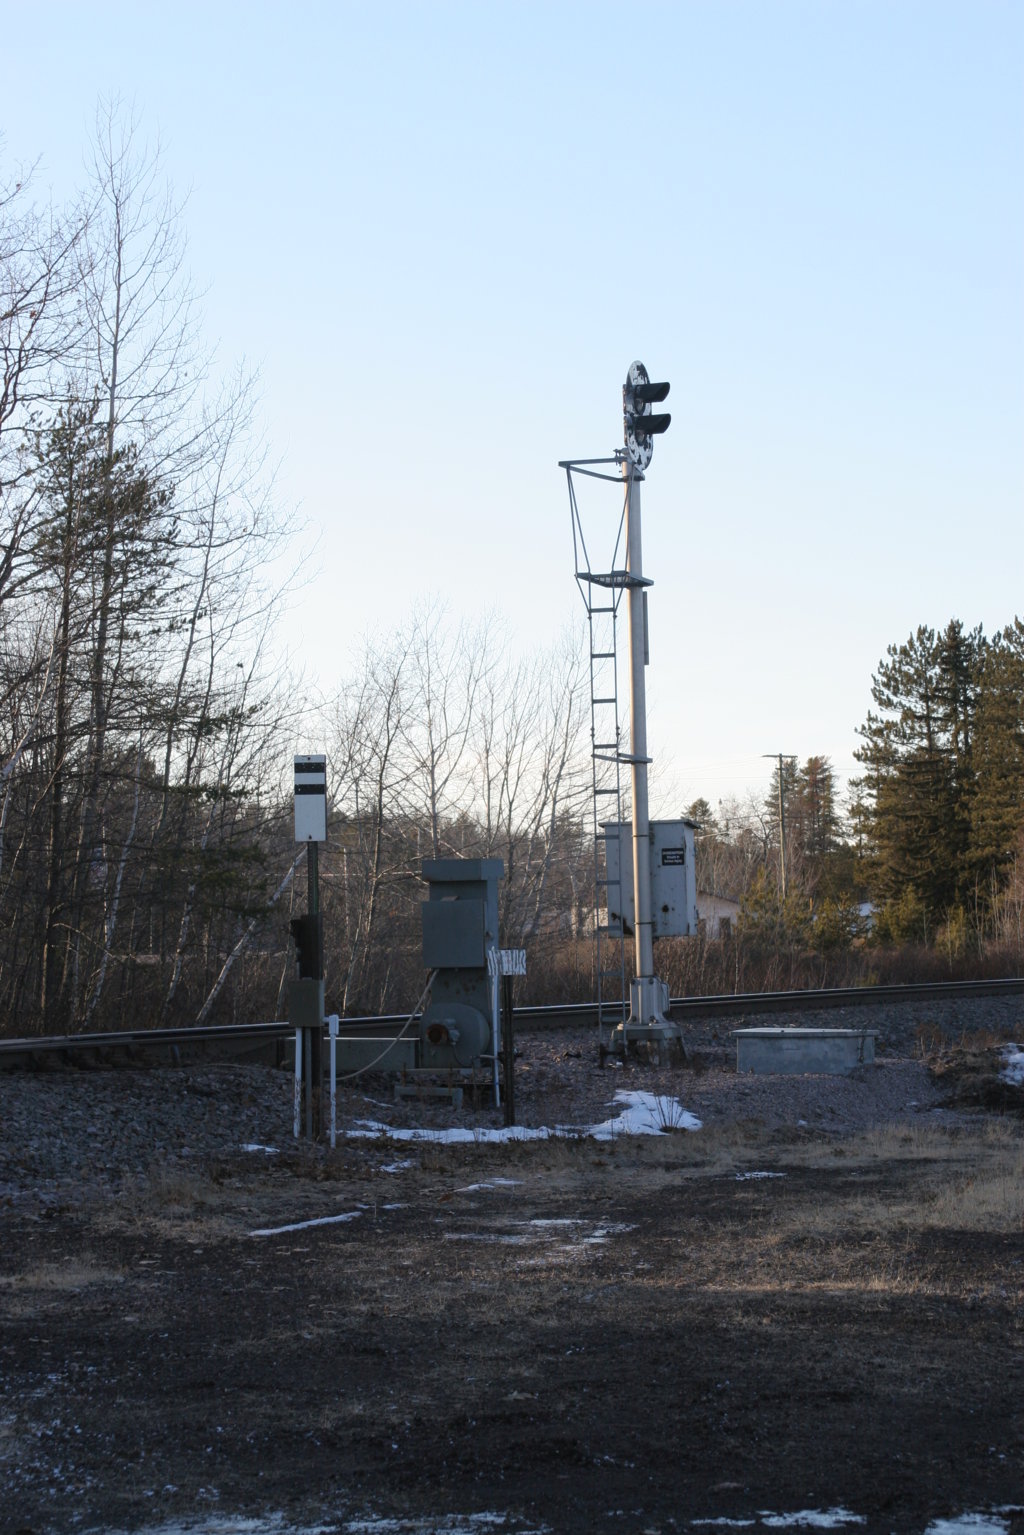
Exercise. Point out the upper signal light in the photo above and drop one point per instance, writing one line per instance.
(650, 394)
(639, 425)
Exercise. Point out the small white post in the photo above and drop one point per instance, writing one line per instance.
(332, 1024)
(297, 1114)
(495, 966)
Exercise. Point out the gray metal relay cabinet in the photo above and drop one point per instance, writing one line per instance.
(673, 877)
(460, 925)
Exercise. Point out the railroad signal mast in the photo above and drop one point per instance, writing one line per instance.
(633, 1010)
(648, 997)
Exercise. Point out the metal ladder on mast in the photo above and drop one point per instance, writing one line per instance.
(602, 593)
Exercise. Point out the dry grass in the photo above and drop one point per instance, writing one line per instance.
(61, 1278)
(171, 1189)
(880, 1216)
(47, 1285)
(991, 1198)
(933, 1039)
(886, 1229)
(962, 1180)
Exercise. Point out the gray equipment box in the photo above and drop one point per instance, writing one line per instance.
(454, 934)
(673, 877)
(460, 924)
(306, 1004)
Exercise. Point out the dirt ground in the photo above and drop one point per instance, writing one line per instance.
(761, 1324)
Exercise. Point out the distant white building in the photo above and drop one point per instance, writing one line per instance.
(716, 914)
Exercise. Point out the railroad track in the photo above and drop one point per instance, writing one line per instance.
(229, 1040)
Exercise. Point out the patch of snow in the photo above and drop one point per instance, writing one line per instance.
(485, 1236)
(444, 1524)
(642, 1114)
(812, 1519)
(807, 1519)
(1012, 1072)
(742, 1177)
(724, 1523)
(600, 1234)
(492, 1183)
(322, 1220)
(268, 1524)
(483, 1135)
(645, 1114)
(276, 1524)
(271, 1151)
(397, 1167)
(579, 1234)
(969, 1524)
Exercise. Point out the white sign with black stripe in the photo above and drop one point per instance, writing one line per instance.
(506, 961)
(311, 799)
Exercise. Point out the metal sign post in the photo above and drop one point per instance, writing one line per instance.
(306, 998)
(503, 966)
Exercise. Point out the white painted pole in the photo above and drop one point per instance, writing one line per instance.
(298, 1084)
(332, 1024)
(644, 928)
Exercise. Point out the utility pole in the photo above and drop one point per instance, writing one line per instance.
(781, 757)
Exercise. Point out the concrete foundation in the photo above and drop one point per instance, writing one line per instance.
(792, 1052)
(648, 1022)
(360, 1052)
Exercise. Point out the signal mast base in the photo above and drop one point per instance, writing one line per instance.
(647, 1023)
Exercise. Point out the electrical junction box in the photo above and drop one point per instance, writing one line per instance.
(306, 1004)
(460, 927)
(673, 877)
(455, 934)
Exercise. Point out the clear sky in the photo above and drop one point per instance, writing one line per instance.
(443, 231)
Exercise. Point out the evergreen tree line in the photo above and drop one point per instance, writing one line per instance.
(927, 855)
(938, 812)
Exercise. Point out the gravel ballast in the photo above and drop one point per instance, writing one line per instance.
(96, 1130)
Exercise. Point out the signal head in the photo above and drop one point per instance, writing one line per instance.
(639, 425)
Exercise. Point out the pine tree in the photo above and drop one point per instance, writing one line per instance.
(996, 811)
(913, 806)
(812, 814)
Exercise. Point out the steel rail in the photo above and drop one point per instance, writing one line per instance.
(548, 1016)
